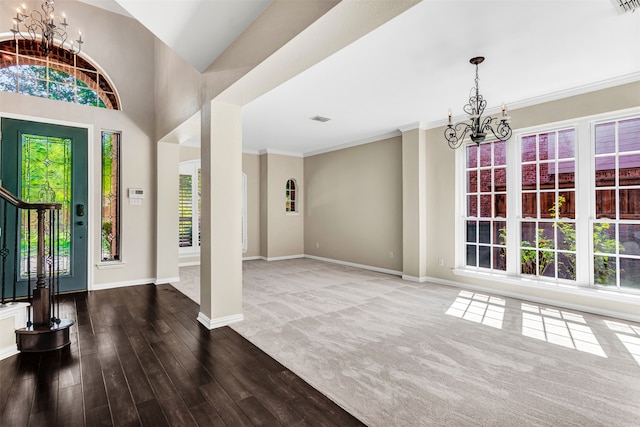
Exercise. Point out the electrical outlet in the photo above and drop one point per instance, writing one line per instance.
(317, 245)
(391, 255)
(441, 262)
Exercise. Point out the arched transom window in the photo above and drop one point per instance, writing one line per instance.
(60, 75)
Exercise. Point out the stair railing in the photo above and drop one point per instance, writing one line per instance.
(44, 330)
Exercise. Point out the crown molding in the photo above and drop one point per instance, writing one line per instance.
(412, 126)
(280, 152)
(554, 96)
(354, 143)
(578, 90)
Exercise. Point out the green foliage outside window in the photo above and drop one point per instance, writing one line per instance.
(45, 177)
(603, 242)
(46, 82)
(110, 188)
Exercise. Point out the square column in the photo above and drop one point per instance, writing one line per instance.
(167, 216)
(414, 205)
(221, 229)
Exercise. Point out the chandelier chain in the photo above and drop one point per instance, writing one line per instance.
(477, 81)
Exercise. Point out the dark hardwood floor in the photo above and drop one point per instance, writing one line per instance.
(139, 357)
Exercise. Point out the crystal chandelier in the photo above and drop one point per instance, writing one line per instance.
(45, 29)
(477, 126)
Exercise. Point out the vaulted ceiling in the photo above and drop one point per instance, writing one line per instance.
(413, 68)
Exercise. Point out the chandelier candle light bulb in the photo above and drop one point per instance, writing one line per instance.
(40, 28)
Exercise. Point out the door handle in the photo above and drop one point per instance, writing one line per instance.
(80, 223)
(80, 210)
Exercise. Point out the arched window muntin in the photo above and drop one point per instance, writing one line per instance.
(60, 75)
(291, 196)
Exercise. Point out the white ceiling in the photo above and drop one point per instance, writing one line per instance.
(415, 67)
(198, 30)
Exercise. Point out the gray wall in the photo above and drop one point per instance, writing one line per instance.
(281, 233)
(177, 88)
(353, 208)
(354, 204)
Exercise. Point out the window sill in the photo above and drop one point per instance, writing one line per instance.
(292, 213)
(568, 289)
(110, 265)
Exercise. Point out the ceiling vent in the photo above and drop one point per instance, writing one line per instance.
(627, 5)
(324, 119)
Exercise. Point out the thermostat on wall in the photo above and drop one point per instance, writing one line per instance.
(136, 193)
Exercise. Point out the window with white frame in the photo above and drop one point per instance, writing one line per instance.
(189, 207)
(547, 225)
(573, 215)
(110, 197)
(291, 204)
(616, 229)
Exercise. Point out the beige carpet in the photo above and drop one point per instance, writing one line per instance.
(396, 353)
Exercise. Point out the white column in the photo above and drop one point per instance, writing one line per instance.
(167, 170)
(414, 205)
(221, 232)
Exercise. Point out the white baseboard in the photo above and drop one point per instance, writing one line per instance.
(8, 351)
(540, 300)
(282, 258)
(220, 321)
(414, 278)
(102, 286)
(166, 280)
(353, 264)
(195, 263)
(19, 313)
(188, 264)
(510, 294)
(215, 323)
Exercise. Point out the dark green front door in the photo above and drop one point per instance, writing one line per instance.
(48, 163)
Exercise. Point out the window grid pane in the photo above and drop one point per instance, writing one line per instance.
(547, 227)
(545, 244)
(486, 198)
(290, 196)
(616, 240)
(60, 77)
